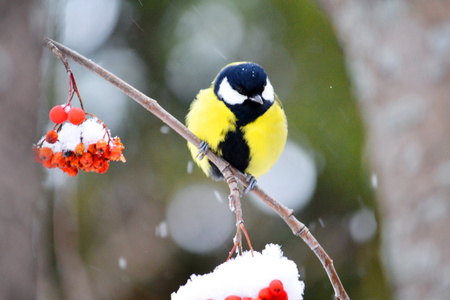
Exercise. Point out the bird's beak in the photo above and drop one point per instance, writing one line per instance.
(257, 98)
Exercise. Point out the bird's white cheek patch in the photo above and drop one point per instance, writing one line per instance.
(228, 94)
(268, 93)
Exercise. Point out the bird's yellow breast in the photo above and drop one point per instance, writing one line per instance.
(210, 119)
(266, 137)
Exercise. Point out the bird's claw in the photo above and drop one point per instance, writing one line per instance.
(202, 149)
(251, 184)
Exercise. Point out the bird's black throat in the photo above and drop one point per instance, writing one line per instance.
(248, 111)
(234, 150)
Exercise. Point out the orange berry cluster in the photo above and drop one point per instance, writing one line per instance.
(94, 157)
(275, 291)
(78, 144)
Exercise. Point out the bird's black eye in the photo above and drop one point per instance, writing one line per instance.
(240, 90)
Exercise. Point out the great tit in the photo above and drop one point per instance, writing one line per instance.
(241, 119)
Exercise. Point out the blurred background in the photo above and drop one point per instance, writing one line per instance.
(140, 230)
(144, 227)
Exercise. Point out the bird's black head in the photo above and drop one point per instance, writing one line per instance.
(245, 89)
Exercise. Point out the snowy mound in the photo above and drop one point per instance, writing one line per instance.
(89, 132)
(245, 276)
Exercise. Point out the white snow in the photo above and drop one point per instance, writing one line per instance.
(374, 180)
(122, 263)
(89, 132)
(162, 230)
(244, 276)
(92, 131)
(362, 225)
(164, 129)
(190, 167)
(68, 138)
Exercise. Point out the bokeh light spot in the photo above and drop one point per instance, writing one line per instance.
(197, 222)
(291, 181)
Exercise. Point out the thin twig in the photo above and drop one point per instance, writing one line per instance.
(235, 205)
(72, 84)
(297, 227)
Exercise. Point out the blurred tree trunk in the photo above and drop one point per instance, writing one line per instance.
(20, 53)
(398, 54)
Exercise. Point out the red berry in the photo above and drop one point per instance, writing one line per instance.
(233, 298)
(46, 154)
(265, 294)
(76, 115)
(282, 296)
(101, 146)
(79, 149)
(57, 114)
(276, 287)
(51, 137)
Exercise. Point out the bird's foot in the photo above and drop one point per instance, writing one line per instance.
(202, 149)
(251, 184)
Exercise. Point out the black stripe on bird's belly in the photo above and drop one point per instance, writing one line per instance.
(234, 150)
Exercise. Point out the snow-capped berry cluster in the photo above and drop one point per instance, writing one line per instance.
(275, 291)
(262, 276)
(76, 142)
(85, 146)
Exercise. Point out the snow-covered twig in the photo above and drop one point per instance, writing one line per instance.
(297, 227)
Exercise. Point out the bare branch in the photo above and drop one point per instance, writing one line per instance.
(230, 173)
(299, 229)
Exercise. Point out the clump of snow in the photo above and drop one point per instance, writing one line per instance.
(89, 132)
(92, 131)
(68, 138)
(245, 276)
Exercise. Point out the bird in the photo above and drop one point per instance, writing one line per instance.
(241, 119)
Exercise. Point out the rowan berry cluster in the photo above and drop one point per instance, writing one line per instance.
(80, 144)
(76, 142)
(275, 291)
